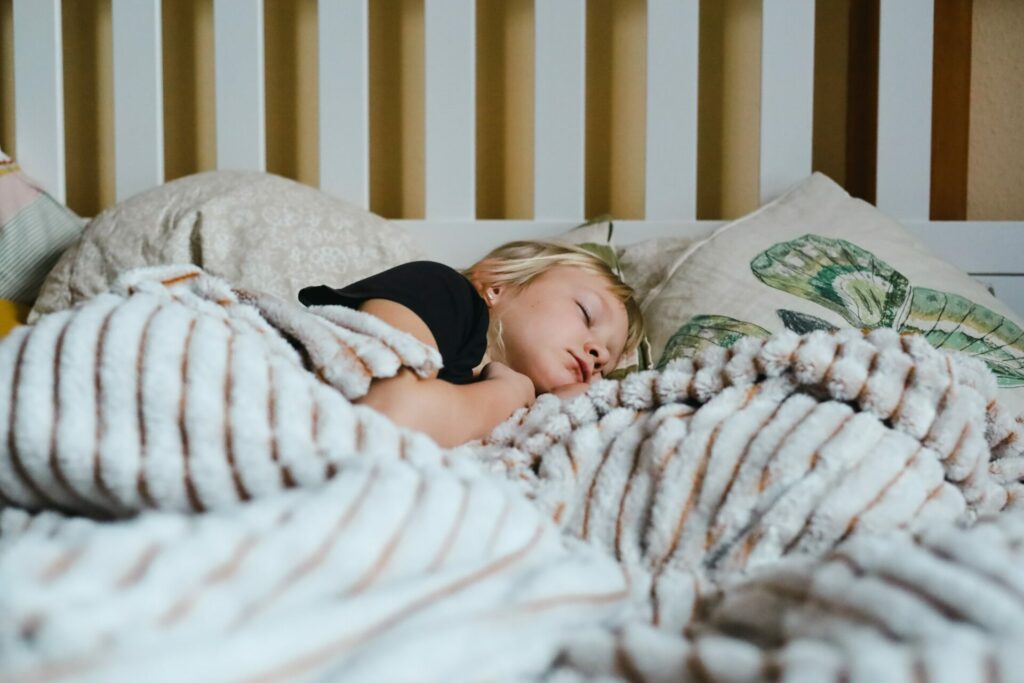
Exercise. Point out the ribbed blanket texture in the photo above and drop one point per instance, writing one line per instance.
(173, 391)
(189, 494)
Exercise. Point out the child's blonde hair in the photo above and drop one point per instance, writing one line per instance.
(516, 264)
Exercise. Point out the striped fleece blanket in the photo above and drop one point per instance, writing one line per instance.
(188, 493)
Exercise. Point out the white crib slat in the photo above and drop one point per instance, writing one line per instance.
(787, 94)
(1008, 288)
(138, 96)
(239, 83)
(559, 102)
(673, 29)
(984, 248)
(450, 108)
(905, 42)
(344, 100)
(975, 246)
(39, 93)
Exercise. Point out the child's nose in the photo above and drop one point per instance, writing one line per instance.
(599, 354)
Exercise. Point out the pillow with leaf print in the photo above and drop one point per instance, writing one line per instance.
(816, 258)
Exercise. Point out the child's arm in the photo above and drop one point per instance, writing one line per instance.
(449, 413)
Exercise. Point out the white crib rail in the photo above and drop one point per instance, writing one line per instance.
(450, 109)
(673, 39)
(905, 50)
(450, 227)
(787, 65)
(39, 92)
(343, 35)
(559, 109)
(138, 96)
(787, 94)
(239, 83)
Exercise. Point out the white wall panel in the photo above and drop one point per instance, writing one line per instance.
(240, 84)
(344, 100)
(559, 101)
(787, 94)
(1008, 288)
(450, 108)
(905, 47)
(673, 38)
(138, 96)
(39, 93)
(975, 246)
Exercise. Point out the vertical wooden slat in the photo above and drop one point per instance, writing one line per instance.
(951, 97)
(905, 43)
(343, 27)
(238, 57)
(190, 112)
(831, 47)
(862, 101)
(450, 108)
(138, 96)
(787, 94)
(504, 109)
(559, 117)
(39, 93)
(673, 29)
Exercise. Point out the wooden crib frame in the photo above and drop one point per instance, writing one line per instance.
(990, 250)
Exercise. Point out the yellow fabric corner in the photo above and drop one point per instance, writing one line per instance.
(12, 314)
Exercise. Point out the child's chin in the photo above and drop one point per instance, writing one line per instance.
(543, 387)
(546, 380)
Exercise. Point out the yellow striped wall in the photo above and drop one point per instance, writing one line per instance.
(728, 110)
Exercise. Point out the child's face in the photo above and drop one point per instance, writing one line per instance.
(546, 330)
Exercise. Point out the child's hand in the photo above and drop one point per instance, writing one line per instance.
(519, 384)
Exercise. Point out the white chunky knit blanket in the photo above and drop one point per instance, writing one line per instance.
(187, 494)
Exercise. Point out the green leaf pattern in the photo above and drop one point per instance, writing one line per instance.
(837, 274)
(868, 293)
(802, 323)
(703, 331)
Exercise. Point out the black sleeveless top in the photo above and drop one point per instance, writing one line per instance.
(444, 299)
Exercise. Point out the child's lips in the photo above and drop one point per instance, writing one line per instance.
(582, 371)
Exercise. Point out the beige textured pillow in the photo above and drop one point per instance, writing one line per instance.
(646, 264)
(641, 265)
(255, 230)
(817, 258)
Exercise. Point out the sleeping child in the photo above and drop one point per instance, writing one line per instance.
(529, 318)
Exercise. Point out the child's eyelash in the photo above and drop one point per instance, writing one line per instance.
(585, 313)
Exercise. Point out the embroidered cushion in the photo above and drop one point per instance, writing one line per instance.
(817, 258)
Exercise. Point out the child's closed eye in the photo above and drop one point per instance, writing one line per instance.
(586, 314)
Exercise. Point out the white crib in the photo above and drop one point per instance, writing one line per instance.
(990, 250)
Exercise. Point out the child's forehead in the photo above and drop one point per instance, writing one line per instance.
(570, 274)
(577, 280)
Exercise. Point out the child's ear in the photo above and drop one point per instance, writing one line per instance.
(488, 292)
(491, 294)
